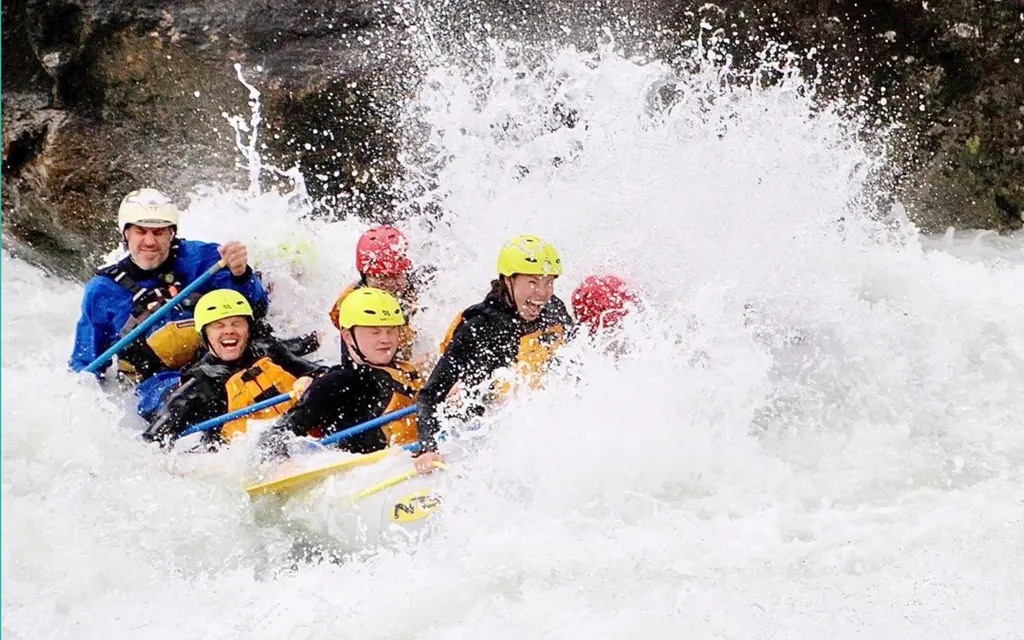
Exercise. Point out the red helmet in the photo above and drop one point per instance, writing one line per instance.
(381, 252)
(602, 301)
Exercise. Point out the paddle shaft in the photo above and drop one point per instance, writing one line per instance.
(369, 424)
(212, 423)
(148, 322)
(390, 482)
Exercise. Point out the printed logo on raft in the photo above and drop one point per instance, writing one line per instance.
(415, 506)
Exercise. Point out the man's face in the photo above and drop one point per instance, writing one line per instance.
(148, 246)
(228, 337)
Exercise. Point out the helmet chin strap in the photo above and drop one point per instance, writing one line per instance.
(355, 346)
(359, 352)
(510, 294)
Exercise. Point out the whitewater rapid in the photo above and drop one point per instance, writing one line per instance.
(817, 433)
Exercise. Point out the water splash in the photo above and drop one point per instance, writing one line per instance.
(817, 433)
(248, 146)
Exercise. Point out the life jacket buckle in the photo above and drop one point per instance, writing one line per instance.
(251, 374)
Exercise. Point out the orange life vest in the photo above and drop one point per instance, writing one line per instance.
(406, 334)
(408, 383)
(262, 381)
(337, 303)
(456, 323)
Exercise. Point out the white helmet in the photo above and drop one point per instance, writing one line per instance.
(147, 208)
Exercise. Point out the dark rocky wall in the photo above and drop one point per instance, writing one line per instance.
(99, 96)
(103, 96)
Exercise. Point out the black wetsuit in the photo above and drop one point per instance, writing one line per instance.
(302, 345)
(487, 337)
(348, 394)
(202, 393)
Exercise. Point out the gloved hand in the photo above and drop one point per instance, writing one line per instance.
(160, 432)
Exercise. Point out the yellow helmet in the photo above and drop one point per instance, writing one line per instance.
(529, 255)
(369, 307)
(220, 304)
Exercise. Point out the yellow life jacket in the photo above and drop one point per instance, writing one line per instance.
(262, 381)
(408, 382)
(176, 343)
(173, 345)
(406, 334)
(535, 352)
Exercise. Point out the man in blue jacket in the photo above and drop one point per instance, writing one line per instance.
(124, 294)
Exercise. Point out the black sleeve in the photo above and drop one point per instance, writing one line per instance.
(341, 398)
(142, 357)
(561, 314)
(293, 364)
(191, 403)
(469, 359)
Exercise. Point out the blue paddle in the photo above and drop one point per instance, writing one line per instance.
(105, 357)
(213, 423)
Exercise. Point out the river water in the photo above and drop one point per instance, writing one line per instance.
(817, 432)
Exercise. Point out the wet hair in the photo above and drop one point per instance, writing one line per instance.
(498, 288)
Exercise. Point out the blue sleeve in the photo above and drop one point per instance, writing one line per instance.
(93, 333)
(248, 284)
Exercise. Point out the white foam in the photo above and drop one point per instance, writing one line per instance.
(842, 460)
